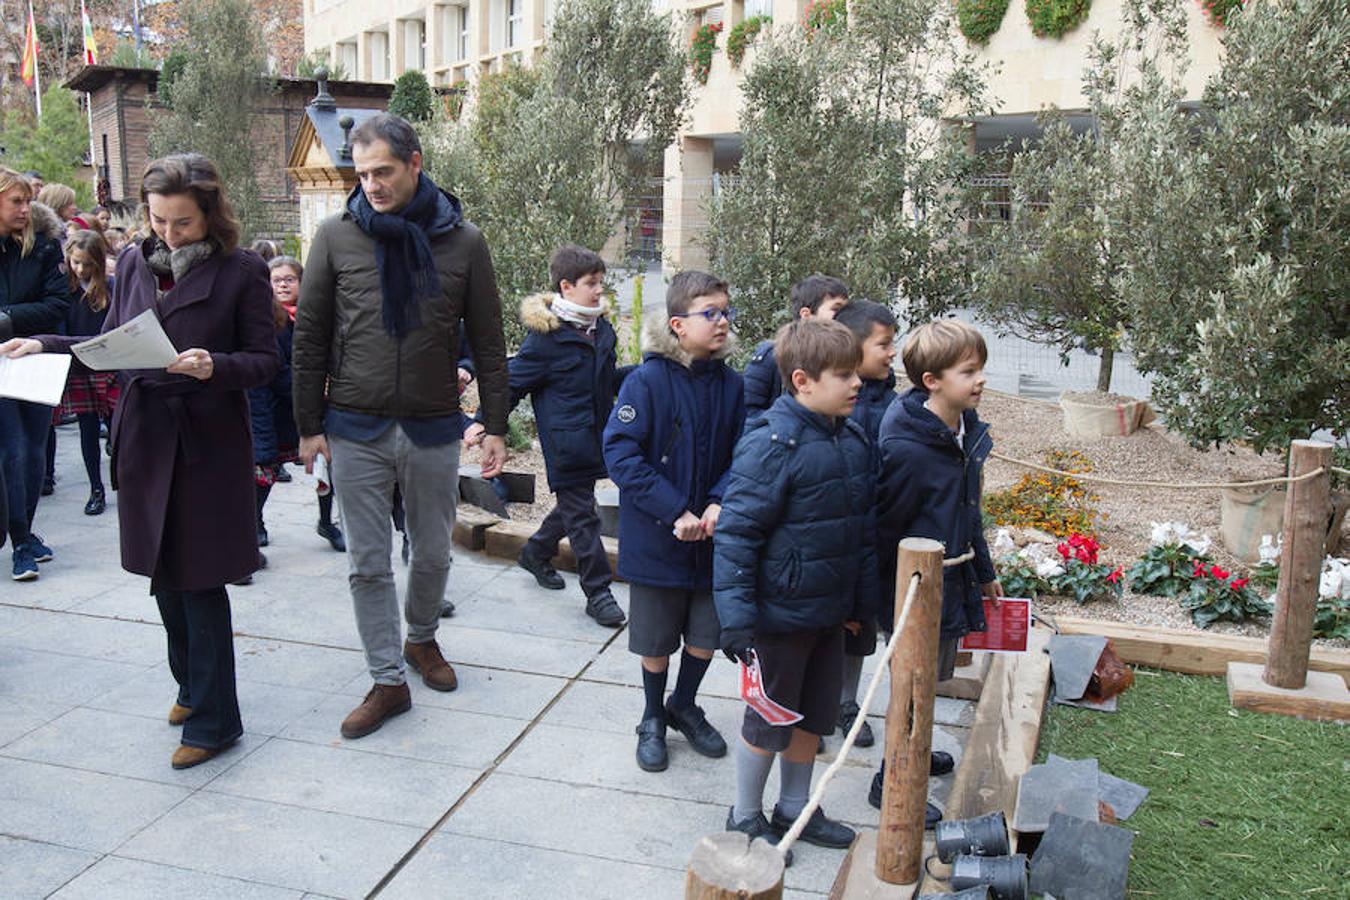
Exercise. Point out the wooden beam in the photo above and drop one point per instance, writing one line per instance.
(1192, 652)
(471, 525)
(1324, 698)
(1307, 508)
(1003, 740)
(857, 878)
(967, 682)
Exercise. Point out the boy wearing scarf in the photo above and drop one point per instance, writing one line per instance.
(567, 366)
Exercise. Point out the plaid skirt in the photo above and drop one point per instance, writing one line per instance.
(87, 392)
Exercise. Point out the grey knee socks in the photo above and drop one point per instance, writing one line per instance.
(794, 786)
(852, 677)
(752, 773)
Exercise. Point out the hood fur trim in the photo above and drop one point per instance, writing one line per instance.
(46, 221)
(536, 313)
(659, 339)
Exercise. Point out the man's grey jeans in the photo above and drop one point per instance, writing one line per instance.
(364, 473)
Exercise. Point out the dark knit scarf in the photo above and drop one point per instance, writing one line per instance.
(402, 253)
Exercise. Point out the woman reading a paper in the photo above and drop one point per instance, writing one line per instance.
(182, 454)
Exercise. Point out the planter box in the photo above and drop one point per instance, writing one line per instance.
(1101, 420)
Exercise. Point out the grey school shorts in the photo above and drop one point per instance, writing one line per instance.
(658, 617)
(802, 670)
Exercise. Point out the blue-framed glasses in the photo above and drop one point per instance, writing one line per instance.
(713, 314)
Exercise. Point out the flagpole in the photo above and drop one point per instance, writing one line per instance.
(88, 97)
(37, 76)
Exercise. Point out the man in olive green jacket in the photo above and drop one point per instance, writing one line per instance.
(387, 284)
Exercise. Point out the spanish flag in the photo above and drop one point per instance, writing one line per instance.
(28, 67)
(90, 45)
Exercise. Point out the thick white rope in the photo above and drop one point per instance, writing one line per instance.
(1190, 486)
(814, 802)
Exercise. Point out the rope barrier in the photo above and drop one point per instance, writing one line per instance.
(957, 560)
(813, 803)
(1190, 486)
(1339, 471)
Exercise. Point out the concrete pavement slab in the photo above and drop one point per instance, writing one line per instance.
(113, 878)
(34, 676)
(494, 692)
(287, 846)
(31, 869)
(336, 779)
(454, 865)
(89, 637)
(449, 736)
(75, 808)
(116, 744)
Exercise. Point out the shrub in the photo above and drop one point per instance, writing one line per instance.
(1057, 504)
(1056, 18)
(412, 97)
(979, 19)
(829, 16)
(1218, 11)
(743, 35)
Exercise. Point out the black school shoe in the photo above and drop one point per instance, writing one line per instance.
(333, 535)
(541, 569)
(693, 724)
(940, 763)
(820, 830)
(604, 609)
(97, 503)
(756, 827)
(931, 814)
(651, 746)
(847, 713)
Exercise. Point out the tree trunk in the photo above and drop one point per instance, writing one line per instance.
(1104, 371)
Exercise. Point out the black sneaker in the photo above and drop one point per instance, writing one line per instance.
(931, 814)
(333, 535)
(820, 830)
(263, 539)
(604, 609)
(757, 827)
(847, 713)
(693, 724)
(542, 570)
(651, 746)
(940, 763)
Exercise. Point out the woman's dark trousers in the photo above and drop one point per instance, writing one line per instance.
(201, 657)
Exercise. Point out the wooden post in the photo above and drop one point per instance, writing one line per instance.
(729, 866)
(1306, 511)
(909, 718)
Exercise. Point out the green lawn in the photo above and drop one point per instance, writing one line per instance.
(1241, 804)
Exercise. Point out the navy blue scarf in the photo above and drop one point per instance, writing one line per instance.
(402, 253)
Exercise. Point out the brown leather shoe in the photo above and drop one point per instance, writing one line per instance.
(426, 660)
(384, 701)
(178, 714)
(186, 757)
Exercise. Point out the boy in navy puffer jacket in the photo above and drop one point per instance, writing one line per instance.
(933, 447)
(668, 446)
(567, 364)
(796, 559)
(819, 296)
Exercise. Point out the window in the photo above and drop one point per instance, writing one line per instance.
(462, 32)
(515, 22)
(414, 44)
(379, 56)
(758, 8)
(347, 58)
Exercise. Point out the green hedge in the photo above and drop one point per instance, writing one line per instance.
(1056, 18)
(979, 19)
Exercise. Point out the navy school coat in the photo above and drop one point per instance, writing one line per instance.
(651, 449)
(572, 380)
(930, 488)
(763, 383)
(796, 542)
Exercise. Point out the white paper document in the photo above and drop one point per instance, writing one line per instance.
(40, 378)
(138, 344)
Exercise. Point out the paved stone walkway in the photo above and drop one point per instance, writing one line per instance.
(521, 784)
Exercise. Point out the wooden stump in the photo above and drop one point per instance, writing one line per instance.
(1306, 512)
(729, 866)
(909, 717)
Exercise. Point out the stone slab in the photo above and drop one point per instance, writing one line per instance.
(493, 692)
(114, 878)
(1066, 786)
(78, 809)
(1124, 797)
(339, 780)
(1072, 660)
(33, 676)
(116, 744)
(35, 869)
(1081, 859)
(301, 849)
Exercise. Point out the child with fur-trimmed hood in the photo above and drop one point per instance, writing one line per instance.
(567, 366)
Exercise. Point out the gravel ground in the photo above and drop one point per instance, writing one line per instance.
(1027, 429)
